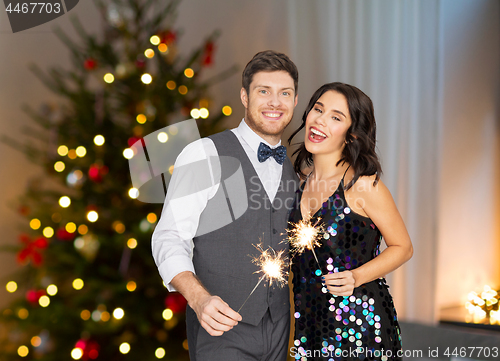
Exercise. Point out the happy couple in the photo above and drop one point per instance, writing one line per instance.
(342, 306)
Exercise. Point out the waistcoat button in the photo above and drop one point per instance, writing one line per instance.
(275, 231)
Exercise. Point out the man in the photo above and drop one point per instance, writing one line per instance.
(220, 275)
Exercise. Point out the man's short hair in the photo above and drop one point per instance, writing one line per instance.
(269, 60)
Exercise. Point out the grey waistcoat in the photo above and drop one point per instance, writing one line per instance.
(222, 258)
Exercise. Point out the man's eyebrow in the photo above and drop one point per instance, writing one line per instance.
(268, 87)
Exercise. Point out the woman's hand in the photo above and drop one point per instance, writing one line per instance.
(339, 283)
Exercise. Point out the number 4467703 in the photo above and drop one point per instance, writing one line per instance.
(471, 352)
(32, 8)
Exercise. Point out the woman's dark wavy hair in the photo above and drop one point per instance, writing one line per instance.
(359, 151)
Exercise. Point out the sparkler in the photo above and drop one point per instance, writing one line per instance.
(304, 235)
(272, 266)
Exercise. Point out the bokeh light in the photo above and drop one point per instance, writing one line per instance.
(99, 140)
(64, 201)
(78, 284)
(35, 223)
(109, 78)
(11, 286)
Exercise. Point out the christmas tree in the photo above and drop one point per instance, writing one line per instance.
(88, 287)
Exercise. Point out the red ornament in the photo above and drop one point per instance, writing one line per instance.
(90, 349)
(32, 296)
(64, 235)
(97, 171)
(140, 63)
(31, 250)
(168, 37)
(24, 210)
(207, 57)
(91, 207)
(176, 302)
(131, 141)
(90, 64)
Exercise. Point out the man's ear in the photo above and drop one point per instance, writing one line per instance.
(244, 97)
(296, 99)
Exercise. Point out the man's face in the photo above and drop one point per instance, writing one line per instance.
(269, 104)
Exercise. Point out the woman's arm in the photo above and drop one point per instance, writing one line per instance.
(378, 204)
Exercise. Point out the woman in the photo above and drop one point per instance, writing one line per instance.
(344, 310)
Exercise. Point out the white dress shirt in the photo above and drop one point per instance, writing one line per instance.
(172, 241)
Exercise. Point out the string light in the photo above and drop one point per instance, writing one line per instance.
(167, 314)
(76, 353)
(188, 72)
(128, 153)
(183, 89)
(141, 119)
(92, 216)
(81, 151)
(124, 348)
(44, 301)
(72, 154)
(149, 53)
(11, 286)
(48, 232)
(70, 227)
(36, 341)
(62, 150)
(118, 313)
(35, 223)
(226, 110)
(171, 85)
(131, 286)
(160, 352)
(118, 226)
(59, 166)
(171, 169)
(64, 201)
(109, 78)
(96, 315)
(52, 290)
(23, 351)
(163, 47)
(99, 140)
(146, 78)
(152, 217)
(132, 243)
(78, 284)
(155, 40)
(195, 113)
(133, 193)
(23, 313)
(162, 137)
(85, 315)
(204, 113)
(83, 229)
(105, 316)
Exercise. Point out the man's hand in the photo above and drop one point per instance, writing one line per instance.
(215, 316)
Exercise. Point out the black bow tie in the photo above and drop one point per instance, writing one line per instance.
(265, 151)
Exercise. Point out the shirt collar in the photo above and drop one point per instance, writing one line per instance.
(252, 138)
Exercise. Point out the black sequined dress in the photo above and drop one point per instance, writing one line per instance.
(363, 326)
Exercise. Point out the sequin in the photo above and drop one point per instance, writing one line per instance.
(365, 320)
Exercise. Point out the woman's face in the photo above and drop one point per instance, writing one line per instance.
(327, 124)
